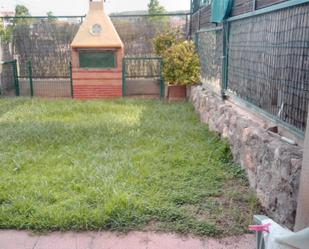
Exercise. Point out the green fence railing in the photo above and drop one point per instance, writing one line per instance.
(147, 68)
(262, 62)
(30, 85)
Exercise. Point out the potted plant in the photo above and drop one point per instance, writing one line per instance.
(181, 68)
(181, 65)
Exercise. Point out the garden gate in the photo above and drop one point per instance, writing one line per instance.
(142, 76)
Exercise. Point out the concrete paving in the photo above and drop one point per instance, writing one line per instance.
(10, 239)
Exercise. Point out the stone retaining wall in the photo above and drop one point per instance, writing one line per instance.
(273, 166)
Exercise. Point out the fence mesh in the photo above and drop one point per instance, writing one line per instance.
(269, 63)
(138, 32)
(7, 79)
(142, 76)
(210, 51)
(45, 42)
(143, 68)
(197, 4)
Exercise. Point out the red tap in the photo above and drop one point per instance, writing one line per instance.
(260, 228)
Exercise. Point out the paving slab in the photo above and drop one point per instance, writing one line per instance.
(11, 239)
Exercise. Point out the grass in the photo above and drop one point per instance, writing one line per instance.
(117, 165)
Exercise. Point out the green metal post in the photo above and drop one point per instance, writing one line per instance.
(191, 15)
(124, 85)
(254, 5)
(162, 88)
(196, 41)
(30, 78)
(224, 81)
(187, 26)
(16, 80)
(71, 80)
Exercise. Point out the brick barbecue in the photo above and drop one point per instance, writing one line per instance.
(97, 53)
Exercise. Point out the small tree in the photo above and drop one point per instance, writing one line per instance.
(5, 32)
(154, 7)
(21, 10)
(2, 30)
(160, 22)
(51, 17)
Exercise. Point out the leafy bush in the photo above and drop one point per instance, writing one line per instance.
(164, 41)
(5, 33)
(181, 64)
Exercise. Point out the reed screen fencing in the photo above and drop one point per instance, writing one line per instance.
(268, 63)
(44, 44)
(138, 31)
(265, 61)
(210, 50)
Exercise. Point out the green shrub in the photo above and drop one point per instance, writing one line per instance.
(181, 64)
(164, 41)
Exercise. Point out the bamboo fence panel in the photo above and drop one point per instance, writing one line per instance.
(268, 63)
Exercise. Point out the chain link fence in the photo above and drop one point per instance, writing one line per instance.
(41, 46)
(143, 77)
(210, 50)
(138, 31)
(268, 63)
(262, 60)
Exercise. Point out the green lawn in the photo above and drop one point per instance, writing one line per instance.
(117, 165)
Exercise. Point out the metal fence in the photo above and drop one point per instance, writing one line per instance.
(265, 62)
(138, 31)
(210, 50)
(41, 47)
(269, 66)
(142, 76)
(32, 84)
(11, 84)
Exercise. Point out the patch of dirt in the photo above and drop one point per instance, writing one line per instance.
(151, 226)
(233, 210)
